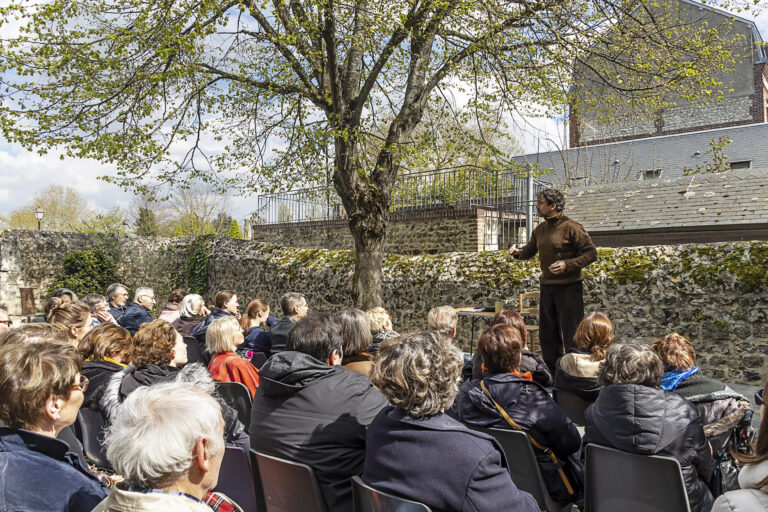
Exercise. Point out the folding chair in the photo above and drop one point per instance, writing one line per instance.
(572, 405)
(237, 396)
(629, 482)
(367, 499)
(237, 482)
(195, 353)
(523, 467)
(288, 486)
(528, 313)
(91, 425)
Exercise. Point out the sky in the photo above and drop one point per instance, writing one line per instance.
(24, 174)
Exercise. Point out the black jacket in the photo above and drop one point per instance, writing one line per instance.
(441, 463)
(98, 373)
(307, 411)
(117, 312)
(639, 419)
(531, 407)
(279, 334)
(585, 387)
(185, 325)
(134, 316)
(202, 328)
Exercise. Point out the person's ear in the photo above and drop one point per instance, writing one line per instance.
(453, 332)
(335, 359)
(202, 455)
(53, 407)
(73, 332)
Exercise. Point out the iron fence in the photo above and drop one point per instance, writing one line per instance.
(507, 199)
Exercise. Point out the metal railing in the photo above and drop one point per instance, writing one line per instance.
(509, 201)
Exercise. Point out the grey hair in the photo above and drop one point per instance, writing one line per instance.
(418, 373)
(142, 290)
(631, 363)
(289, 301)
(190, 305)
(111, 289)
(152, 437)
(442, 320)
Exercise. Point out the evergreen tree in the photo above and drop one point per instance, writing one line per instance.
(234, 230)
(146, 224)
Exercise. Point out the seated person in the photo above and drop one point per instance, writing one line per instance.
(254, 320)
(529, 362)
(416, 451)
(381, 328)
(75, 317)
(191, 312)
(99, 309)
(225, 303)
(167, 441)
(577, 371)
(41, 390)
(310, 409)
(633, 415)
(36, 333)
(753, 477)
(158, 355)
(355, 339)
(294, 306)
(109, 347)
(442, 321)
(139, 311)
(527, 403)
(223, 337)
(172, 310)
(720, 408)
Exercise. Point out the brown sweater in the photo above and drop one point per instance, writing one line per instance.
(560, 238)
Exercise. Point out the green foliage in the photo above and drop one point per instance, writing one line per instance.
(111, 223)
(234, 230)
(747, 262)
(622, 267)
(146, 223)
(718, 161)
(197, 264)
(87, 271)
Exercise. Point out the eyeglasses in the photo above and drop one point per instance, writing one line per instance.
(759, 396)
(83, 385)
(7, 322)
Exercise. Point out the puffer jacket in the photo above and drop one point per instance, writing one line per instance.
(310, 412)
(531, 407)
(648, 421)
(750, 498)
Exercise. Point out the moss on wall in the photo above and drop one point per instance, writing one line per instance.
(746, 262)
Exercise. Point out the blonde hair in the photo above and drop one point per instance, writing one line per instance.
(442, 320)
(221, 333)
(378, 317)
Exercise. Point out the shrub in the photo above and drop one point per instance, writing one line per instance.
(87, 271)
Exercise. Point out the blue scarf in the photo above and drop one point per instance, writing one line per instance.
(673, 378)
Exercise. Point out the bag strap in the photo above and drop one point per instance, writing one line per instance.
(535, 443)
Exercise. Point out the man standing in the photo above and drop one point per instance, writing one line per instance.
(138, 311)
(564, 248)
(117, 294)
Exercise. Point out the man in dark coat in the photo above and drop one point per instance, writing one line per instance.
(310, 409)
(138, 311)
(117, 294)
(294, 306)
(632, 415)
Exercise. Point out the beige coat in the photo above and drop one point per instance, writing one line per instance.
(749, 498)
(122, 500)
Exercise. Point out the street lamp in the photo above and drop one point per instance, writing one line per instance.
(39, 216)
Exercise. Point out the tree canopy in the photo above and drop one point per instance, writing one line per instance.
(251, 95)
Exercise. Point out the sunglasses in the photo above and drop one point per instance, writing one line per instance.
(83, 384)
(759, 396)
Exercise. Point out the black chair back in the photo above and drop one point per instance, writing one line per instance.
(237, 396)
(237, 482)
(572, 405)
(523, 467)
(91, 425)
(195, 352)
(628, 482)
(258, 359)
(288, 486)
(368, 499)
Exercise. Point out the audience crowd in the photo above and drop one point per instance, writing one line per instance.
(348, 396)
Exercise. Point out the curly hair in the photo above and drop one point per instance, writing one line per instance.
(555, 197)
(153, 343)
(378, 317)
(675, 351)
(500, 346)
(594, 333)
(630, 363)
(418, 373)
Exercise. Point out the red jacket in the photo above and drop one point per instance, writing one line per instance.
(230, 367)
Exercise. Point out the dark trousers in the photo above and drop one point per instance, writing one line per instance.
(561, 308)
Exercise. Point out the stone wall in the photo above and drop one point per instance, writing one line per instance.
(713, 294)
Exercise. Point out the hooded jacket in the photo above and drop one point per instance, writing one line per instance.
(639, 419)
(310, 412)
(531, 407)
(131, 378)
(578, 374)
(750, 498)
(99, 374)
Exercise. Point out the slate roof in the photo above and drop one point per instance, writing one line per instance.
(734, 197)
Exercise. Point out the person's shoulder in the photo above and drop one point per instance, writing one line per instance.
(741, 500)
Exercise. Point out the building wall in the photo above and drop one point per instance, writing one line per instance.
(646, 291)
(743, 103)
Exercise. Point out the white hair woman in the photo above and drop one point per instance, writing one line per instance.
(191, 312)
(167, 441)
(414, 450)
(222, 338)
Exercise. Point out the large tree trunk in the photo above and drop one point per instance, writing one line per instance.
(369, 256)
